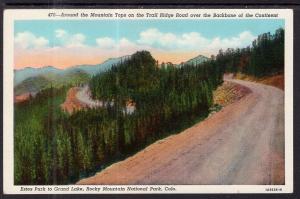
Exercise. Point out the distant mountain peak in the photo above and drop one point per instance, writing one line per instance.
(197, 60)
(49, 67)
(201, 56)
(117, 58)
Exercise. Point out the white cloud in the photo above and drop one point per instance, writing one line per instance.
(154, 37)
(192, 41)
(76, 40)
(59, 33)
(27, 40)
(126, 44)
(243, 39)
(106, 42)
(70, 40)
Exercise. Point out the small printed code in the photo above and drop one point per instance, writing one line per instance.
(273, 189)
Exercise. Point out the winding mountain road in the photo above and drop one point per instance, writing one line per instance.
(84, 96)
(241, 144)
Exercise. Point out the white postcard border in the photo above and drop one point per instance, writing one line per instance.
(38, 14)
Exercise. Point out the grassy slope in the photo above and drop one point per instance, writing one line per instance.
(228, 93)
(274, 80)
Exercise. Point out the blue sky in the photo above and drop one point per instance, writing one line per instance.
(131, 28)
(63, 43)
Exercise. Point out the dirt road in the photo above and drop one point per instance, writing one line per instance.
(241, 144)
(84, 96)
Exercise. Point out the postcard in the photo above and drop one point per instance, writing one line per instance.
(148, 101)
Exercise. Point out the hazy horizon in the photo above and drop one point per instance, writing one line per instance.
(64, 43)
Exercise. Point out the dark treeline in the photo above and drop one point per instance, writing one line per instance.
(265, 56)
(53, 147)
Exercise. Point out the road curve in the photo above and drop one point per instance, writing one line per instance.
(84, 97)
(241, 144)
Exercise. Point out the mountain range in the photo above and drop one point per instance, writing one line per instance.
(32, 80)
(27, 72)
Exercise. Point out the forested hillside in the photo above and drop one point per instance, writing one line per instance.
(264, 57)
(63, 148)
(37, 83)
(164, 97)
(53, 147)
